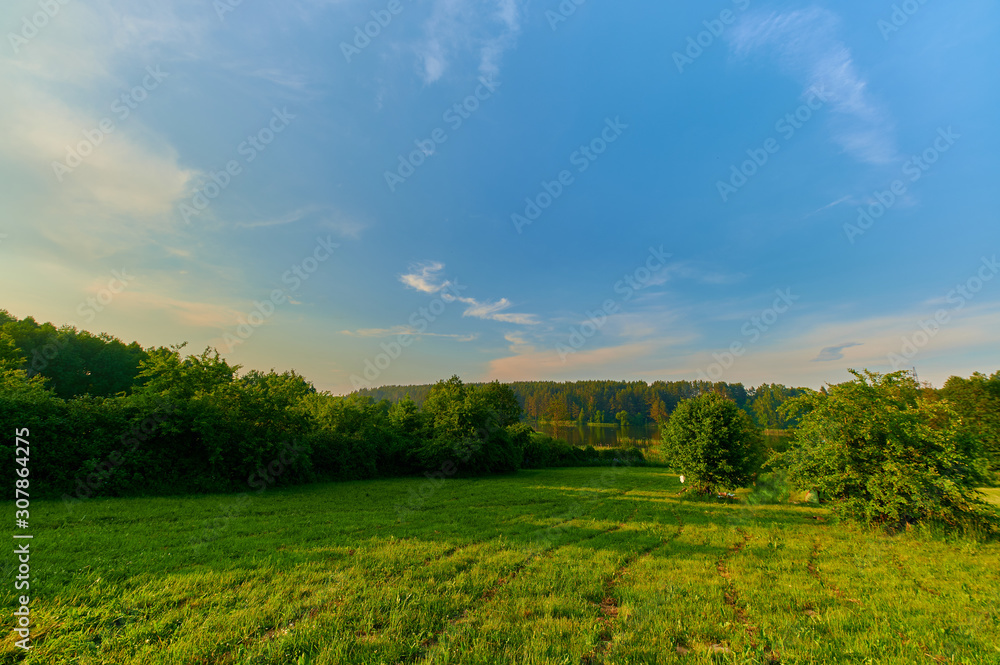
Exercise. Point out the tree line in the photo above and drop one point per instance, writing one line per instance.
(116, 419)
(881, 449)
(110, 419)
(595, 402)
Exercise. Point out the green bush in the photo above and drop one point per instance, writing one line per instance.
(713, 442)
(770, 488)
(885, 455)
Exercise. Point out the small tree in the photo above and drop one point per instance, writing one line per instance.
(977, 401)
(470, 428)
(885, 455)
(713, 442)
(499, 399)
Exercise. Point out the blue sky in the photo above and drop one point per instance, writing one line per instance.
(699, 172)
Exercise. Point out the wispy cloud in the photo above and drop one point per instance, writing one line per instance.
(691, 271)
(405, 330)
(324, 217)
(426, 277)
(831, 204)
(461, 26)
(188, 313)
(831, 353)
(806, 46)
(494, 311)
(529, 365)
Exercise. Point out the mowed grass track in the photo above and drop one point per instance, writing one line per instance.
(555, 566)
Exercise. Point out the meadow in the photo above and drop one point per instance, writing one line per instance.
(569, 566)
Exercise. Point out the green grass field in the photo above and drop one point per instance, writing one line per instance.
(556, 566)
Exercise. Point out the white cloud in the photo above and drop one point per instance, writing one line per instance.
(424, 277)
(806, 46)
(518, 343)
(66, 81)
(124, 188)
(457, 27)
(494, 311)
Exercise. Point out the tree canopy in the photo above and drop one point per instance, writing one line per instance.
(977, 401)
(713, 442)
(884, 454)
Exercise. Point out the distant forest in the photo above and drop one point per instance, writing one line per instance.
(603, 401)
(77, 362)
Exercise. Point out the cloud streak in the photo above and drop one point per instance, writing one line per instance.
(405, 330)
(805, 44)
(831, 353)
(426, 278)
(461, 26)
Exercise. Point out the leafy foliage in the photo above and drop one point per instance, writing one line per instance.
(472, 424)
(886, 455)
(977, 401)
(73, 362)
(713, 442)
(605, 401)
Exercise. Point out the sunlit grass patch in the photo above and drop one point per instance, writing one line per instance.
(547, 566)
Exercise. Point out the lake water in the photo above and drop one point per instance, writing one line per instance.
(599, 437)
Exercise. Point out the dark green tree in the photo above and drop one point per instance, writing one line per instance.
(406, 417)
(977, 401)
(886, 455)
(713, 442)
(500, 400)
(470, 428)
(166, 373)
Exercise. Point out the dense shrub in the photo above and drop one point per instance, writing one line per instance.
(977, 402)
(884, 454)
(713, 442)
(770, 488)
